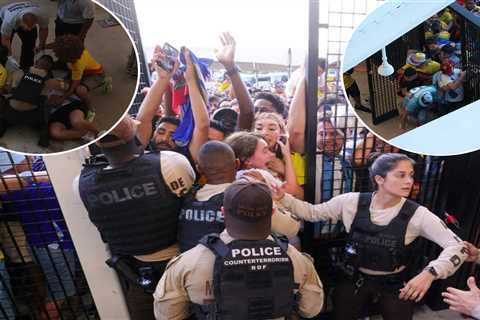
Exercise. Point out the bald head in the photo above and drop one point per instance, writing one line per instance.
(29, 21)
(216, 160)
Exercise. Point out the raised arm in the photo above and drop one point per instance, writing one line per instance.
(297, 117)
(291, 185)
(454, 251)
(226, 56)
(153, 98)
(199, 109)
(330, 210)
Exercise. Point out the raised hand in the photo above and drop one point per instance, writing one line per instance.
(226, 54)
(463, 301)
(190, 72)
(278, 192)
(159, 55)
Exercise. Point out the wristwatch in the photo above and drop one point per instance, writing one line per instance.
(432, 271)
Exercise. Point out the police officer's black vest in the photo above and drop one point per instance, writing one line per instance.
(29, 89)
(132, 207)
(251, 280)
(199, 218)
(380, 248)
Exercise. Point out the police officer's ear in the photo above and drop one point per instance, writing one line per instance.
(379, 180)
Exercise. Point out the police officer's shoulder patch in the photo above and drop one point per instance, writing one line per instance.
(309, 257)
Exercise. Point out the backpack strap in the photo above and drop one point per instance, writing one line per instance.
(215, 244)
(281, 241)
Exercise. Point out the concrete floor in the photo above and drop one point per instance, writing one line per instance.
(109, 46)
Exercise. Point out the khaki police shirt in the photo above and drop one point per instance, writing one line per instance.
(189, 278)
(422, 224)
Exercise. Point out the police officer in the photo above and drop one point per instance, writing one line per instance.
(243, 273)
(22, 18)
(134, 201)
(201, 209)
(382, 227)
(27, 102)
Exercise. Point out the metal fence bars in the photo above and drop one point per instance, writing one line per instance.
(383, 90)
(40, 274)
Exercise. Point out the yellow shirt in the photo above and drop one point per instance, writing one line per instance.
(2, 257)
(431, 67)
(446, 18)
(347, 80)
(85, 63)
(3, 76)
(299, 166)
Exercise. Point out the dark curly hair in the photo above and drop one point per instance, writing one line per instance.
(276, 101)
(68, 48)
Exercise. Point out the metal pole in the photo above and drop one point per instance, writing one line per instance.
(311, 115)
(311, 99)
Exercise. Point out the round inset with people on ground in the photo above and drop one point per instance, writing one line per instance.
(67, 73)
(412, 81)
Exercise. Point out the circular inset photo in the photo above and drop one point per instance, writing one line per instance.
(416, 83)
(66, 74)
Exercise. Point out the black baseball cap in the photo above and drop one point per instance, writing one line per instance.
(249, 207)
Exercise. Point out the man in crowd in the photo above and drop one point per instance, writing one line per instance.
(162, 137)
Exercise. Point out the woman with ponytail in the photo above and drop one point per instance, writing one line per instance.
(381, 227)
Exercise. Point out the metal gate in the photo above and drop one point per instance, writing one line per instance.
(125, 11)
(383, 90)
(40, 274)
(470, 26)
(348, 172)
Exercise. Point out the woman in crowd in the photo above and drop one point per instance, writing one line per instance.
(272, 128)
